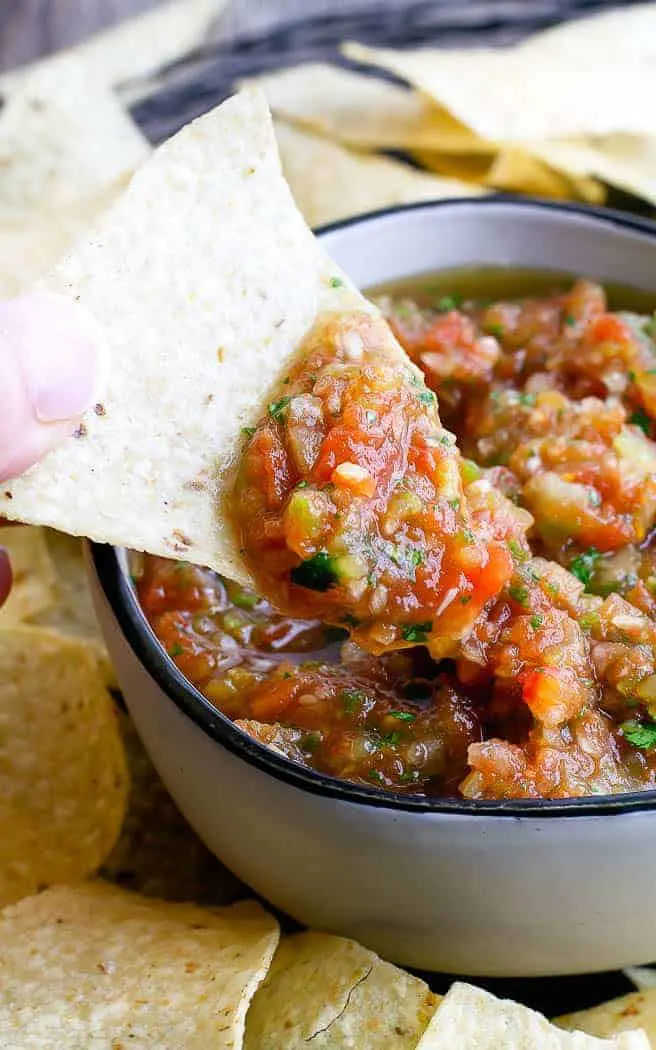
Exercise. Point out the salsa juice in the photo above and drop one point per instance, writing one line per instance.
(498, 587)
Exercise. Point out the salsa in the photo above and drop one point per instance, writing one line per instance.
(463, 602)
(349, 501)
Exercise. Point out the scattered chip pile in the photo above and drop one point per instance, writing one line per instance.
(545, 117)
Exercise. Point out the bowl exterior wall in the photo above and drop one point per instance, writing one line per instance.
(486, 896)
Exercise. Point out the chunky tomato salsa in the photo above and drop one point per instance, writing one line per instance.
(460, 602)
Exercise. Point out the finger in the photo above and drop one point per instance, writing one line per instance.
(51, 353)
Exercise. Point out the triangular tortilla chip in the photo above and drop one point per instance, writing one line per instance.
(63, 777)
(637, 1010)
(67, 148)
(362, 111)
(95, 966)
(506, 95)
(470, 1019)
(34, 588)
(330, 182)
(625, 33)
(205, 279)
(72, 610)
(333, 994)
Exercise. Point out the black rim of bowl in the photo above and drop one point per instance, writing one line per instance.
(120, 594)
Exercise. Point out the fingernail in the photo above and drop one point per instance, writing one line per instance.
(59, 347)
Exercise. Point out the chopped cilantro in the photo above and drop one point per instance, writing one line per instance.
(427, 397)
(374, 775)
(632, 376)
(465, 599)
(416, 632)
(518, 594)
(416, 557)
(536, 622)
(277, 408)
(402, 716)
(316, 573)
(175, 650)
(570, 321)
(468, 535)
(389, 739)
(336, 282)
(302, 484)
(527, 399)
(517, 551)
(583, 565)
(640, 734)
(640, 419)
(353, 700)
(445, 440)
(448, 302)
(248, 431)
(454, 503)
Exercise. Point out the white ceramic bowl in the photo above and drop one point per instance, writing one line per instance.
(523, 888)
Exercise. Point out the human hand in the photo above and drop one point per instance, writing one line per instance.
(50, 353)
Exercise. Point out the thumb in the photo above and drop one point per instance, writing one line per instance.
(50, 355)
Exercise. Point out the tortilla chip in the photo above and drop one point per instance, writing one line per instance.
(506, 95)
(627, 33)
(136, 47)
(34, 589)
(73, 613)
(94, 966)
(62, 138)
(361, 111)
(470, 1019)
(637, 1010)
(158, 854)
(472, 168)
(63, 777)
(625, 161)
(331, 183)
(325, 991)
(205, 279)
(516, 171)
(66, 150)
(643, 977)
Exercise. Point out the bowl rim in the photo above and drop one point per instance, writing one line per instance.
(122, 599)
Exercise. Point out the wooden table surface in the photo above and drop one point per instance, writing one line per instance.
(30, 28)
